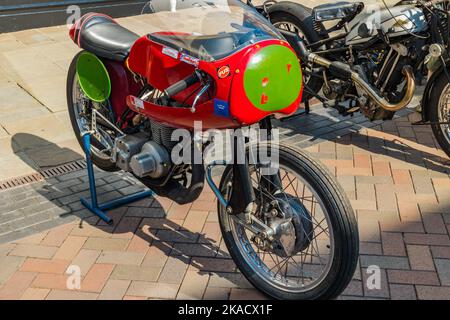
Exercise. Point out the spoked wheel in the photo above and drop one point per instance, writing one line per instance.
(439, 112)
(313, 254)
(80, 113)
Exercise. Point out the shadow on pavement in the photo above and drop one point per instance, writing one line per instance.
(56, 201)
(39, 153)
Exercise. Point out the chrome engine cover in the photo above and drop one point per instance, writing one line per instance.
(127, 146)
(145, 158)
(153, 161)
(395, 22)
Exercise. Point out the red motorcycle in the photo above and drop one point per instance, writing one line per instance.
(285, 221)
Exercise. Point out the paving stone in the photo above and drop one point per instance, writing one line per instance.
(409, 211)
(34, 251)
(393, 244)
(127, 227)
(56, 237)
(70, 248)
(443, 270)
(433, 223)
(34, 239)
(354, 288)
(85, 259)
(228, 280)
(114, 290)
(16, 285)
(193, 286)
(375, 292)
(198, 250)
(413, 277)
(121, 257)
(426, 239)
(177, 236)
(420, 257)
(174, 270)
(44, 266)
(35, 294)
(146, 212)
(134, 272)
(433, 293)
(153, 289)
(402, 292)
(107, 244)
(9, 265)
(97, 277)
(440, 252)
(156, 256)
(85, 229)
(6, 248)
(247, 294)
(71, 295)
(50, 281)
(214, 293)
(385, 262)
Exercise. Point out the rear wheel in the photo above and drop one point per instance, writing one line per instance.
(439, 112)
(80, 113)
(324, 231)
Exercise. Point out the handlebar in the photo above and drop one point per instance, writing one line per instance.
(182, 84)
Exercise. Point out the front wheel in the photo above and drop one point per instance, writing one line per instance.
(439, 112)
(322, 233)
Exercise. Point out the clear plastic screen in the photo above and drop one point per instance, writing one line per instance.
(206, 29)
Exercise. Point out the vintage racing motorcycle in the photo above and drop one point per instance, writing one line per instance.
(291, 230)
(367, 59)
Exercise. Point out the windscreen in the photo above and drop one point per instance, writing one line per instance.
(207, 29)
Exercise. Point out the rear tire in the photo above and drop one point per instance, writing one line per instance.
(102, 163)
(439, 95)
(343, 227)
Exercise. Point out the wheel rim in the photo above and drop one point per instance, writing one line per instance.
(444, 112)
(306, 269)
(99, 147)
(288, 26)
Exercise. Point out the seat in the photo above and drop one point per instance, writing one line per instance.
(339, 10)
(104, 37)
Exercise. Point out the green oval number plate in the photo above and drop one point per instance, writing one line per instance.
(273, 78)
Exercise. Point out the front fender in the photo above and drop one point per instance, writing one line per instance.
(429, 88)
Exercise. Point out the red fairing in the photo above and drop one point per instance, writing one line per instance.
(161, 71)
(147, 59)
(240, 104)
(72, 32)
(122, 85)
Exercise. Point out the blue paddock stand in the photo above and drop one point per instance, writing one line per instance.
(92, 205)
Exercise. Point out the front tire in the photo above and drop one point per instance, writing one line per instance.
(341, 224)
(439, 111)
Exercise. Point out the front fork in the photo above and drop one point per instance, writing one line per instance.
(242, 201)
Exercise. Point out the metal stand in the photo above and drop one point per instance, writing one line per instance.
(93, 205)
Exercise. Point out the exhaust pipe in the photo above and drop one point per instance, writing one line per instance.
(343, 71)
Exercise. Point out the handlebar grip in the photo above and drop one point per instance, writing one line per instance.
(181, 85)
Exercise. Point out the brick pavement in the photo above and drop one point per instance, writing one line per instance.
(396, 177)
(394, 174)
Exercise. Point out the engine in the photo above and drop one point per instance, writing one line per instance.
(143, 154)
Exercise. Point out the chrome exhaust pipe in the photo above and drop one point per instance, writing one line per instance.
(342, 70)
